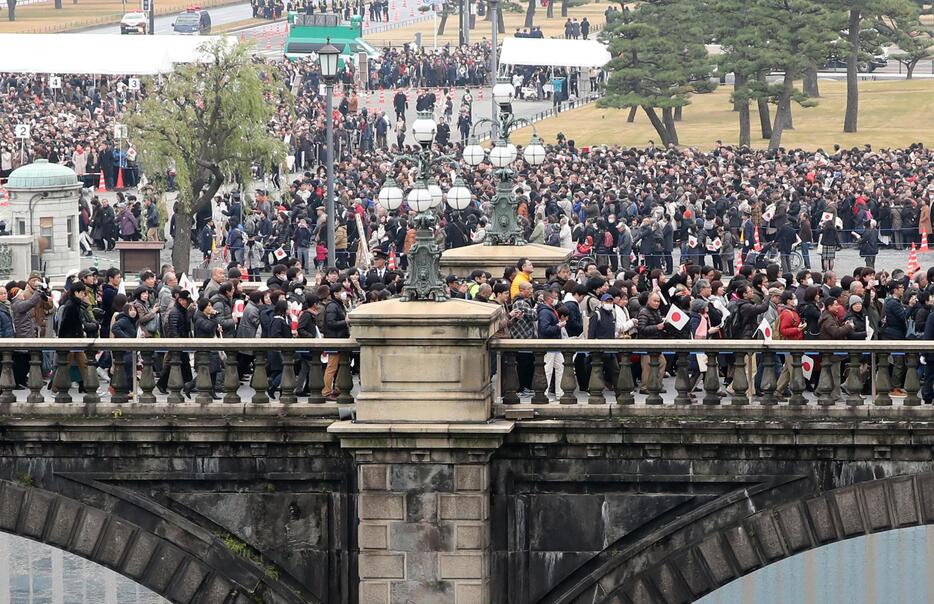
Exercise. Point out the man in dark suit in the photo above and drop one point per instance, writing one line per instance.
(379, 273)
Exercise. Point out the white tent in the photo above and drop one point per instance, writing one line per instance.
(99, 53)
(554, 52)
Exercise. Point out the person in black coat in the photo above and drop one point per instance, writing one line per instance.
(177, 325)
(279, 327)
(206, 326)
(125, 326)
(335, 326)
(74, 323)
(602, 326)
(379, 273)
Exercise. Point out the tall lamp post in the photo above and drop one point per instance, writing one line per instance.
(423, 279)
(504, 228)
(327, 61)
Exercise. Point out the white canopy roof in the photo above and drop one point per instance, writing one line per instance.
(554, 52)
(99, 53)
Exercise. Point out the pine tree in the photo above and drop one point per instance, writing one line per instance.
(659, 60)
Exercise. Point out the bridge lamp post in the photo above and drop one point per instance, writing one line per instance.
(504, 229)
(327, 61)
(423, 278)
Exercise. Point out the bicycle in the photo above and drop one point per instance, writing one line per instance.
(795, 259)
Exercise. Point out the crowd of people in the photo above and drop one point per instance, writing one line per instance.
(586, 300)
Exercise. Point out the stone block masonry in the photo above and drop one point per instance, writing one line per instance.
(423, 532)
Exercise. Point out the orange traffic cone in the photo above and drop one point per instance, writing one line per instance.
(119, 179)
(758, 245)
(392, 258)
(481, 94)
(101, 185)
(382, 96)
(913, 265)
(738, 262)
(924, 243)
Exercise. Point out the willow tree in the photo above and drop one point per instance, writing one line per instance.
(209, 119)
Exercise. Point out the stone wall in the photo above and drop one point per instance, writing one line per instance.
(423, 532)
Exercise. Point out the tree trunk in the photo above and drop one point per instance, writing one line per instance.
(657, 124)
(632, 114)
(789, 122)
(910, 70)
(810, 82)
(678, 111)
(550, 11)
(765, 123)
(852, 84)
(530, 14)
(669, 121)
(11, 10)
(781, 117)
(442, 23)
(181, 245)
(564, 8)
(58, 4)
(742, 106)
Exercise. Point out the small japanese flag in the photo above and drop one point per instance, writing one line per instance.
(279, 253)
(715, 245)
(807, 366)
(838, 223)
(121, 289)
(238, 309)
(766, 330)
(185, 283)
(677, 317)
(692, 241)
(295, 309)
(825, 217)
(869, 330)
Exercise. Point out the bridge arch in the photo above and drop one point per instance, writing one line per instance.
(178, 561)
(742, 532)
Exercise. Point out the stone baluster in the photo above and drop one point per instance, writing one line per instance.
(34, 380)
(740, 384)
(912, 383)
(345, 380)
(825, 383)
(682, 379)
(712, 380)
(653, 382)
(315, 379)
(92, 381)
(625, 384)
(204, 385)
(568, 380)
(7, 382)
(539, 381)
(769, 380)
(883, 381)
(260, 380)
(854, 385)
(597, 385)
(509, 379)
(176, 382)
(147, 378)
(118, 379)
(287, 381)
(231, 379)
(61, 381)
(797, 383)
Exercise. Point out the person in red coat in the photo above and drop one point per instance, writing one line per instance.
(790, 327)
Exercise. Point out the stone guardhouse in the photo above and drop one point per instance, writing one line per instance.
(44, 219)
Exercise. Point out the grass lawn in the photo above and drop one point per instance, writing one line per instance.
(552, 28)
(891, 114)
(44, 18)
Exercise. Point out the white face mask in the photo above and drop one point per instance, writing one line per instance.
(607, 307)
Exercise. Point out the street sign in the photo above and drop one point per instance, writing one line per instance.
(55, 82)
(120, 131)
(134, 84)
(21, 130)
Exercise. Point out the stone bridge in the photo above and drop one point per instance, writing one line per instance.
(439, 492)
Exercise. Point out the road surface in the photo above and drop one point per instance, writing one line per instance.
(219, 16)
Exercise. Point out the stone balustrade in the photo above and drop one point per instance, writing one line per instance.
(56, 394)
(611, 367)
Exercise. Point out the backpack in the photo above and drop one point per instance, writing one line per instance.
(553, 237)
(733, 325)
(776, 332)
(607, 239)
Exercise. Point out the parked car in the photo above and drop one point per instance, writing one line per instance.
(861, 66)
(134, 23)
(193, 22)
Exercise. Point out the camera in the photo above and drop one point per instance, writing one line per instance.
(44, 290)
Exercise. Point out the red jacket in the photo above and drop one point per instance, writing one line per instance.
(788, 321)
